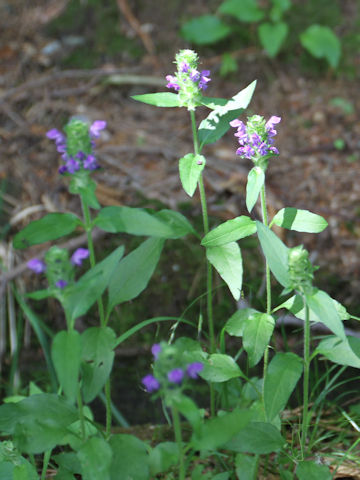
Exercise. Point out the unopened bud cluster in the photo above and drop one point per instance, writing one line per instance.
(300, 269)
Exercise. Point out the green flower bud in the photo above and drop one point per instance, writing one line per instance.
(59, 270)
(257, 124)
(300, 269)
(77, 138)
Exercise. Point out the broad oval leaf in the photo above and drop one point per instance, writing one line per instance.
(66, 356)
(130, 458)
(163, 456)
(272, 36)
(322, 305)
(95, 457)
(237, 322)
(283, 373)
(161, 99)
(276, 254)
(259, 437)
(204, 30)
(230, 231)
(243, 10)
(308, 470)
(256, 179)
(322, 42)
(131, 276)
(227, 260)
(220, 368)
(257, 333)
(245, 466)
(299, 220)
(50, 227)
(190, 168)
(339, 351)
(217, 123)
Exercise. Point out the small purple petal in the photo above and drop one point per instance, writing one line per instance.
(96, 128)
(155, 350)
(193, 369)
(54, 134)
(237, 123)
(151, 383)
(79, 255)
(172, 83)
(61, 284)
(90, 163)
(194, 75)
(204, 79)
(72, 165)
(184, 67)
(176, 375)
(272, 121)
(36, 265)
(62, 170)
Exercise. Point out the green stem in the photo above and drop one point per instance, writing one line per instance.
(304, 427)
(108, 408)
(81, 414)
(46, 460)
(178, 439)
(268, 287)
(209, 277)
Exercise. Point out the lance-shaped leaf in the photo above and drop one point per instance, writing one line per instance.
(227, 260)
(282, 376)
(216, 124)
(257, 333)
(276, 254)
(256, 179)
(66, 356)
(230, 231)
(190, 168)
(50, 227)
(299, 220)
(339, 351)
(161, 99)
(322, 305)
(133, 273)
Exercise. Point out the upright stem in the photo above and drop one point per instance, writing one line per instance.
(46, 460)
(178, 439)
(268, 284)
(304, 427)
(81, 413)
(209, 277)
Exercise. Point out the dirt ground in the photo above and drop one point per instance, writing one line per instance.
(142, 144)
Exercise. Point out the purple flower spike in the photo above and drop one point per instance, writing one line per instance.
(61, 284)
(155, 350)
(96, 128)
(193, 369)
(79, 255)
(151, 383)
(176, 375)
(36, 265)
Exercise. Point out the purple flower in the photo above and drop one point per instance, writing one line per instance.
(36, 265)
(151, 383)
(79, 255)
(96, 128)
(272, 121)
(54, 134)
(193, 369)
(184, 67)
(194, 75)
(62, 170)
(72, 165)
(176, 375)
(172, 83)
(204, 79)
(90, 163)
(61, 284)
(155, 350)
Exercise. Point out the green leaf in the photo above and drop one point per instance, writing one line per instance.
(131, 276)
(245, 466)
(339, 351)
(216, 432)
(40, 294)
(272, 36)
(276, 253)
(213, 102)
(38, 423)
(322, 42)
(237, 322)
(283, 373)
(161, 99)
(216, 124)
(230, 231)
(257, 333)
(278, 9)
(78, 298)
(308, 470)
(68, 461)
(98, 344)
(322, 305)
(204, 30)
(299, 220)
(259, 438)
(243, 10)
(256, 179)
(227, 260)
(66, 356)
(220, 368)
(130, 459)
(95, 457)
(138, 221)
(190, 168)
(163, 456)
(186, 406)
(50, 227)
